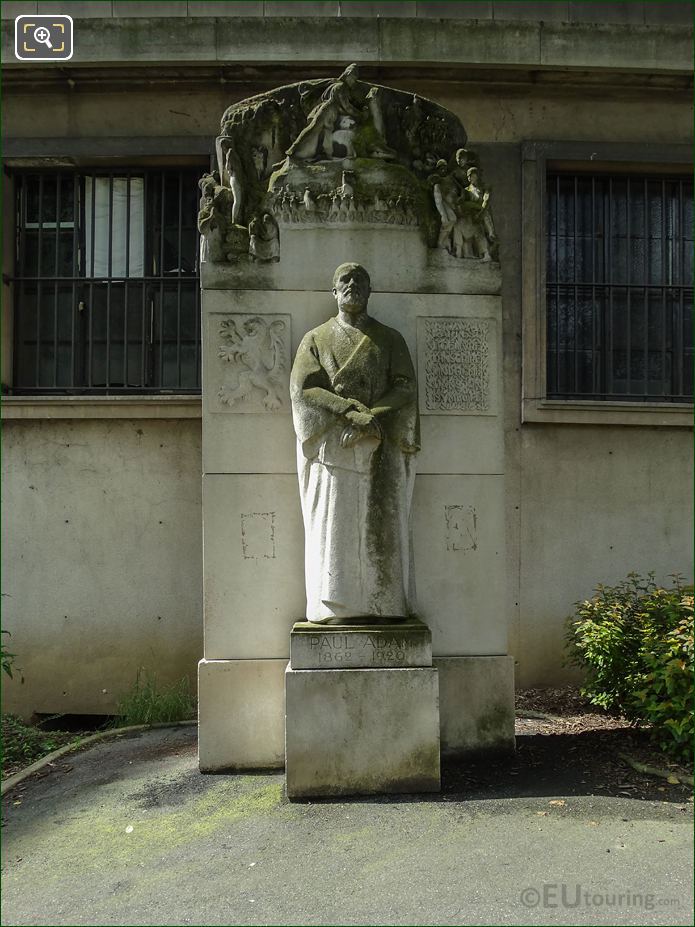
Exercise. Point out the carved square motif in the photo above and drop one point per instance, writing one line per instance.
(461, 527)
(248, 362)
(456, 366)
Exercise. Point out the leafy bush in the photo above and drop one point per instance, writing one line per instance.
(147, 703)
(664, 696)
(635, 643)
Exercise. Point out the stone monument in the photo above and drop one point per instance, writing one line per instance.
(314, 176)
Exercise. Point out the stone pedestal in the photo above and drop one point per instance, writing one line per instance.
(361, 710)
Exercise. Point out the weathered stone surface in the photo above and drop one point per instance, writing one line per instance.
(240, 719)
(407, 643)
(477, 703)
(459, 549)
(361, 731)
(245, 40)
(398, 251)
(252, 555)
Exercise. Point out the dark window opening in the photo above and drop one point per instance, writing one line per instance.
(619, 287)
(106, 285)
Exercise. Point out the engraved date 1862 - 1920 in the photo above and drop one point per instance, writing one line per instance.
(342, 648)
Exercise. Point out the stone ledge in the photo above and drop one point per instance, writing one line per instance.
(204, 40)
(13, 408)
(557, 412)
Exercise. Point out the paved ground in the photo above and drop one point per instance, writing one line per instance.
(129, 832)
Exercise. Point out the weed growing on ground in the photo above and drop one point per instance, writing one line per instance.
(23, 744)
(148, 702)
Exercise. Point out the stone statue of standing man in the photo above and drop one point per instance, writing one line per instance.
(354, 403)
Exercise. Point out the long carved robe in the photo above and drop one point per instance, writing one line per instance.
(356, 501)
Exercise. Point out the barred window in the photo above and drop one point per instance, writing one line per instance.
(106, 287)
(619, 287)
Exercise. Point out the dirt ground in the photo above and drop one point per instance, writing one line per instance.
(560, 734)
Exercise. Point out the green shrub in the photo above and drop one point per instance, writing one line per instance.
(664, 693)
(634, 642)
(148, 703)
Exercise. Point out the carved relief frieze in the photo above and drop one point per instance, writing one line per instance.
(340, 151)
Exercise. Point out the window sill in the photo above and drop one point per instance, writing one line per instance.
(99, 407)
(560, 412)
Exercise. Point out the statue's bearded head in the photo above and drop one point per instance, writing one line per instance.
(351, 288)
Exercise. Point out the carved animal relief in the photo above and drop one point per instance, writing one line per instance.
(252, 355)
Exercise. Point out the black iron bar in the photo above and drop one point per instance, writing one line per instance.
(107, 359)
(144, 351)
(39, 293)
(575, 314)
(90, 307)
(126, 286)
(75, 268)
(160, 379)
(56, 286)
(197, 330)
(557, 288)
(608, 382)
(90, 344)
(596, 349)
(679, 347)
(628, 280)
(178, 284)
(665, 388)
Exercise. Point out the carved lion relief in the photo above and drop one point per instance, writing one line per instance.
(251, 371)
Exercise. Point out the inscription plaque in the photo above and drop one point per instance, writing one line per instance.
(362, 647)
(454, 362)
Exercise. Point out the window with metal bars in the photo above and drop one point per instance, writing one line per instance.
(106, 286)
(619, 287)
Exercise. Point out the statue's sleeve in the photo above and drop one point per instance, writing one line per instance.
(315, 407)
(397, 409)
(402, 389)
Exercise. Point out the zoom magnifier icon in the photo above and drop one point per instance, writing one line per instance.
(40, 37)
(43, 36)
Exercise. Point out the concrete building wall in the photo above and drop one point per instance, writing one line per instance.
(634, 12)
(101, 558)
(584, 503)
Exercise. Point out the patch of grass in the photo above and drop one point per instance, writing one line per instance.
(150, 703)
(24, 744)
